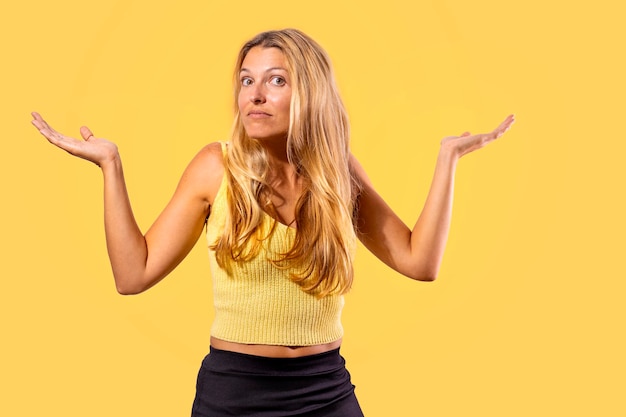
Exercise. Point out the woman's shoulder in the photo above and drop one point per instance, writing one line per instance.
(206, 169)
(213, 154)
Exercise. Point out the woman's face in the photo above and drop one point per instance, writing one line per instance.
(265, 94)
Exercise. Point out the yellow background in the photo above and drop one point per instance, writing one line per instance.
(527, 317)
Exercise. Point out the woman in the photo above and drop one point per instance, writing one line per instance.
(284, 202)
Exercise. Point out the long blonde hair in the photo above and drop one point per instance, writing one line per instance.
(318, 147)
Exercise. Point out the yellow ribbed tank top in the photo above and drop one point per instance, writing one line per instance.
(258, 303)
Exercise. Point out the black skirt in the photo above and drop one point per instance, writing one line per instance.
(237, 384)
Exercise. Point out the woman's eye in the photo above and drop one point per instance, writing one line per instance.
(278, 81)
(246, 81)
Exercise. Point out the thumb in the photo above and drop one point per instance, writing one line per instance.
(465, 134)
(85, 132)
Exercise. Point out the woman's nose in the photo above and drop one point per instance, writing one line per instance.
(257, 95)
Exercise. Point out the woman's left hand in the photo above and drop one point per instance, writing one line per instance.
(466, 143)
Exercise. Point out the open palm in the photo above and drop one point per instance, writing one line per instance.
(466, 143)
(97, 150)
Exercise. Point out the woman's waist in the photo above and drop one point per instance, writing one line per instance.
(274, 351)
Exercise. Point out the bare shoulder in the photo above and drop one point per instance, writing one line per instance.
(359, 173)
(206, 170)
(211, 157)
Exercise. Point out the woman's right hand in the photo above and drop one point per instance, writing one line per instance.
(97, 150)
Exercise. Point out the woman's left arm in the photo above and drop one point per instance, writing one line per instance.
(417, 253)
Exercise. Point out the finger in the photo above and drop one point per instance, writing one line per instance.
(40, 126)
(507, 122)
(49, 133)
(40, 123)
(37, 118)
(53, 137)
(465, 134)
(37, 124)
(68, 144)
(86, 133)
(36, 115)
(504, 126)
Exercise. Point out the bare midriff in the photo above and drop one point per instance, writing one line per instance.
(271, 351)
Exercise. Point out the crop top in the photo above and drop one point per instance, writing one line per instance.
(258, 303)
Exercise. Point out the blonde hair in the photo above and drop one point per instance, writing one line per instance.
(318, 147)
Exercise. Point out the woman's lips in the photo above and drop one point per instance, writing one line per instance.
(258, 115)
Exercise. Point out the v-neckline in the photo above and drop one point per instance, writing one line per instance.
(278, 222)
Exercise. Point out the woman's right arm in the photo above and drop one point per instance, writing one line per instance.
(139, 261)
